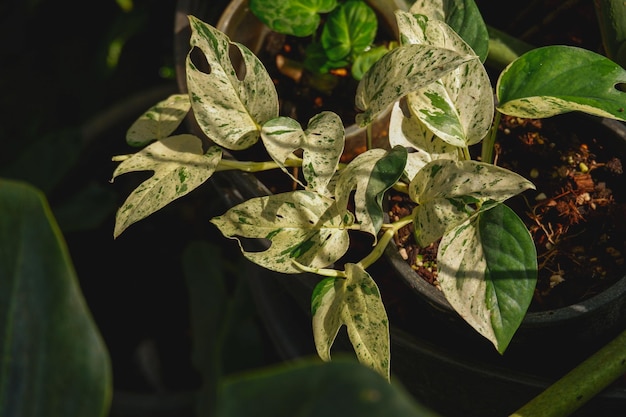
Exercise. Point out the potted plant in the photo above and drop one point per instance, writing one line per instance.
(423, 99)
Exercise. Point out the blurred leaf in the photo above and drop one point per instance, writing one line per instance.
(54, 361)
(339, 388)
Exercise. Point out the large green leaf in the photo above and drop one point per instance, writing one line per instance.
(179, 167)
(557, 79)
(488, 271)
(308, 388)
(229, 110)
(356, 303)
(449, 191)
(371, 174)
(349, 30)
(401, 71)
(302, 226)
(461, 15)
(292, 17)
(54, 362)
(322, 144)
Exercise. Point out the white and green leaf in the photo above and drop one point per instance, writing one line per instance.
(487, 270)
(159, 121)
(301, 226)
(322, 144)
(229, 110)
(356, 303)
(448, 192)
(401, 71)
(408, 131)
(558, 79)
(179, 167)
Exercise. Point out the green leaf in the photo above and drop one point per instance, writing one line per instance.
(403, 70)
(322, 144)
(179, 167)
(461, 15)
(308, 388)
(488, 271)
(228, 110)
(355, 302)
(54, 362)
(448, 193)
(364, 61)
(371, 173)
(291, 17)
(159, 121)
(349, 30)
(301, 225)
(558, 79)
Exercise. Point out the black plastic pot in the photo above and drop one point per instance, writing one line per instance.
(438, 358)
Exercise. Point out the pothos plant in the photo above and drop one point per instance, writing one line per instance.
(442, 103)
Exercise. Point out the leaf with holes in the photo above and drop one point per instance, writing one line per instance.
(487, 270)
(449, 192)
(159, 121)
(229, 110)
(559, 79)
(179, 167)
(356, 303)
(301, 226)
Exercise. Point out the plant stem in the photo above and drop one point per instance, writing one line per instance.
(583, 382)
(384, 240)
(249, 166)
(486, 150)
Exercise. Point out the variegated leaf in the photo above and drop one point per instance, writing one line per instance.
(487, 270)
(322, 144)
(401, 71)
(558, 79)
(179, 167)
(408, 131)
(371, 174)
(448, 193)
(229, 110)
(301, 226)
(356, 303)
(159, 121)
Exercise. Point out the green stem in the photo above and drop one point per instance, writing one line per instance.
(489, 142)
(249, 166)
(577, 387)
(383, 241)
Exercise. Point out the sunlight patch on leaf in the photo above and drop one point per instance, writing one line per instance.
(159, 121)
(300, 225)
(179, 167)
(356, 303)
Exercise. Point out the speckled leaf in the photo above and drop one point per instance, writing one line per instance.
(228, 110)
(407, 130)
(179, 167)
(448, 193)
(355, 302)
(461, 15)
(458, 108)
(557, 79)
(159, 121)
(403, 70)
(302, 226)
(292, 17)
(488, 271)
(371, 174)
(322, 145)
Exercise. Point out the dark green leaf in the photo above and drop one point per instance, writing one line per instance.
(292, 17)
(349, 30)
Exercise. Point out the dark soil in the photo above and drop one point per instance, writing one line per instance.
(576, 215)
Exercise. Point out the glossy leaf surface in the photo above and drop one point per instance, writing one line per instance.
(292, 17)
(349, 30)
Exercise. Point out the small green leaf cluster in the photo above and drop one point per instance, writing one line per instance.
(342, 32)
(441, 101)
